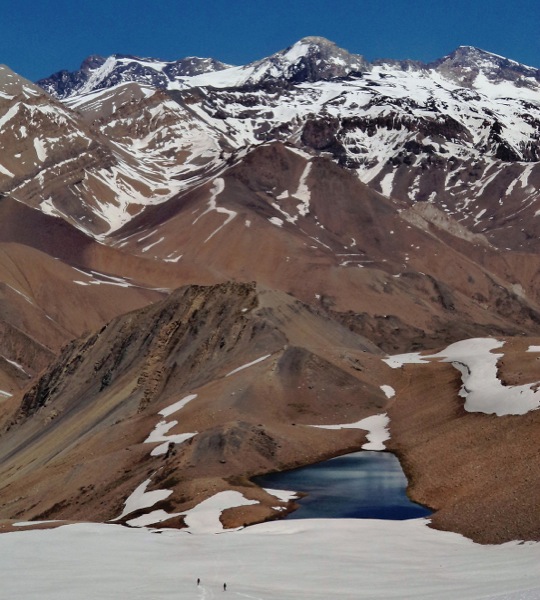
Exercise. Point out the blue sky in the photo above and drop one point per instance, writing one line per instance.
(38, 38)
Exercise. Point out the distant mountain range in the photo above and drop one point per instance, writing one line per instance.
(309, 60)
(314, 212)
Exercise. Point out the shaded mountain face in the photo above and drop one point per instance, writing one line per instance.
(313, 212)
(97, 72)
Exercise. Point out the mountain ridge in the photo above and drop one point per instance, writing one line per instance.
(302, 59)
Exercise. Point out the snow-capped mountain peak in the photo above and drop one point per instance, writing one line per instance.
(464, 64)
(97, 72)
(310, 59)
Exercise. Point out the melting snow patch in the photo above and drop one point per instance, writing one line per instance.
(482, 390)
(376, 426)
(205, 517)
(146, 248)
(303, 192)
(395, 362)
(177, 405)
(140, 499)
(276, 221)
(173, 259)
(15, 364)
(283, 495)
(533, 349)
(388, 390)
(254, 362)
(217, 189)
(32, 523)
(159, 435)
(5, 171)
(386, 184)
(152, 518)
(41, 151)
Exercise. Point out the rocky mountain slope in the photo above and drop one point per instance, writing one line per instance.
(457, 133)
(379, 208)
(259, 367)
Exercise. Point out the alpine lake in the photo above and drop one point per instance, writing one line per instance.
(360, 485)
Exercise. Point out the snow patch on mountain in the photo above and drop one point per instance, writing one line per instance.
(376, 427)
(482, 390)
(140, 499)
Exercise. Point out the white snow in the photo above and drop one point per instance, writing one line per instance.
(303, 193)
(169, 410)
(173, 259)
(146, 248)
(40, 148)
(5, 118)
(204, 518)
(96, 278)
(386, 184)
(276, 221)
(375, 425)
(397, 361)
(5, 171)
(482, 390)
(250, 364)
(388, 390)
(159, 435)
(151, 518)
(283, 495)
(533, 349)
(217, 189)
(15, 364)
(296, 52)
(140, 499)
(151, 170)
(5, 394)
(283, 560)
(33, 523)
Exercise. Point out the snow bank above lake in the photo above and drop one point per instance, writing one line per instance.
(376, 426)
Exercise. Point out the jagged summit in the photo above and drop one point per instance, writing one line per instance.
(465, 63)
(97, 72)
(310, 59)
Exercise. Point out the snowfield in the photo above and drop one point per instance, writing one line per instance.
(284, 560)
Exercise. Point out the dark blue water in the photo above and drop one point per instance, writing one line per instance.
(362, 485)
